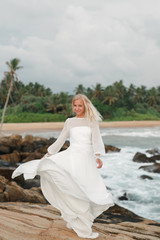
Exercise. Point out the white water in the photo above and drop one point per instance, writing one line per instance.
(122, 175)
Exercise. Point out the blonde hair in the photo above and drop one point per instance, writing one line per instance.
(91, 112)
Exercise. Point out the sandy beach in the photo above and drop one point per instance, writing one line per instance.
(48, 126)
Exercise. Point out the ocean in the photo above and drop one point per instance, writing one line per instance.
(122, 175)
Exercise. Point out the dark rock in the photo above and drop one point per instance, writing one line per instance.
(5, 145)
(24, 155)
(12, 157)
(154, 151)
(65, 146)
(3, 182)
(4, 149)
(7, 172)
(51, 140)
(124, 197)
(26, 184)
(27, 147)
(109, 148)
(39, 142)
(146, 177)
(152, 168)
(28, 138)
(15, 142)
(10, 143)
(155, 157)
(42, 150)
(117, 214)
(141, 157)
(11, 191)
(30, 183)
(32, 156)
(6, 164)
(19, 180)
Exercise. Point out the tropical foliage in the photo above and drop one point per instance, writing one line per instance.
(13, 65)
(34, 102)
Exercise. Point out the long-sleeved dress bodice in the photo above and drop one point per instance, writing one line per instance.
(70, 180)
(73, 127)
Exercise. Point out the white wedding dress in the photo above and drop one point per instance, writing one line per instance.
(70, 180)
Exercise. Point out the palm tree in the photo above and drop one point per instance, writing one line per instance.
(98, 91)
(80, 89)
(152, 97)
(13, 66)
(121, 92)
(140, 94)
(110, 96)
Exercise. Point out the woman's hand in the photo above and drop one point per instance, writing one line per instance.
(46, 155)
(99, 162)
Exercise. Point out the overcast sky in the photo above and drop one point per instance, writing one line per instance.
(63, 43)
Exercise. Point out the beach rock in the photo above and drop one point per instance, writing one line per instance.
(30, 183)
(155, 168)
(43, 222)
(65, 146)
(5, 164)
(26, 184)
(119, 214)
(28, 138)
(7, 172)
(154, 151)
(31, 143)
(5, 145)
(10, 143)
(51, 140)
(39, 142)
(4, 149)
(3, 182)
(146, 177)
(32, 156)
(11, 157)
(11, 191)
(15, 149)
(141, 157)
(27, 147)
(123, 197)
(109, 148)
(15, 141)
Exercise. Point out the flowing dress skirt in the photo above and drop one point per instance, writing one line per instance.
(70, 181)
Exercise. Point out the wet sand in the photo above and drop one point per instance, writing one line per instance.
(50, 126)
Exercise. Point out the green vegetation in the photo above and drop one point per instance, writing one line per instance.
(25, 117)
(35, 103)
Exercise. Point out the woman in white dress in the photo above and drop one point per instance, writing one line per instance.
(70, 180)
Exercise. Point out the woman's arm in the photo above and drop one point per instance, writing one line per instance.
(98, 145)
(56, 146)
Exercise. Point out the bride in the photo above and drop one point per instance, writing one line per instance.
(70, 180)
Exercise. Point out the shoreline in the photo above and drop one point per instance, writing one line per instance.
(50, 126)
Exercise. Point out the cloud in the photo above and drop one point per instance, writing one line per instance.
(66, 43)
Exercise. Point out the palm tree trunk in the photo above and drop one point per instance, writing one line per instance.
(7, 99)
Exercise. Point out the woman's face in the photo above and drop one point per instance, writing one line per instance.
(79, 108)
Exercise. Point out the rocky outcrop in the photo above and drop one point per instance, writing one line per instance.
(155, 168)
(11, 191)
(142, 158)
(154, 151)
(109, 148)
(15, 149)
(146, 177)
(124, 197)
(43, 222)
